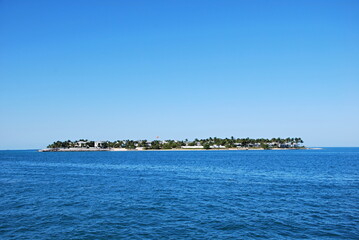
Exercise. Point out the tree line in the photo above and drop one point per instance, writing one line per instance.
(207, 143)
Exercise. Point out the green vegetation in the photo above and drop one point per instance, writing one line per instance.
(208, 143)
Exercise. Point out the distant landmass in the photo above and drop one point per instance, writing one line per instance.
(197, 144)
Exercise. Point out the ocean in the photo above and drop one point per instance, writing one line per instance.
(294, 194)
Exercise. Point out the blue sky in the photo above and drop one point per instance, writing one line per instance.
(107, 70)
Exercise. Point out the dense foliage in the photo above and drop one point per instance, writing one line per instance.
(171, 144)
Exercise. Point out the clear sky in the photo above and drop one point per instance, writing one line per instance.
(108, 70)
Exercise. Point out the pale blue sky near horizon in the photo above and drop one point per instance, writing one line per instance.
(108, 70)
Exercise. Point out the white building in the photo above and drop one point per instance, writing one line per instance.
(192, 147)
(98, 144)
(81, 144)
(217, 146)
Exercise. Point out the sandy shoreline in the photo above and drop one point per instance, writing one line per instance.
(175, 149)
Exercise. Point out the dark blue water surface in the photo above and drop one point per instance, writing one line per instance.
(299, 194)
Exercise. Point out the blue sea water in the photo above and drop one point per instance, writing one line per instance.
(299, 194)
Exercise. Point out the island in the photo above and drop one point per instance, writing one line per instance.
(84, 145)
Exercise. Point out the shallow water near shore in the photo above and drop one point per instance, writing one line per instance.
(312, 194)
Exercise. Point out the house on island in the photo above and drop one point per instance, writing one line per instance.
(288, 145)
(81, 144)
(217, 146)
(254, 145)
(237, 144)
(273, 144)
(99, 144)
(192, 147)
